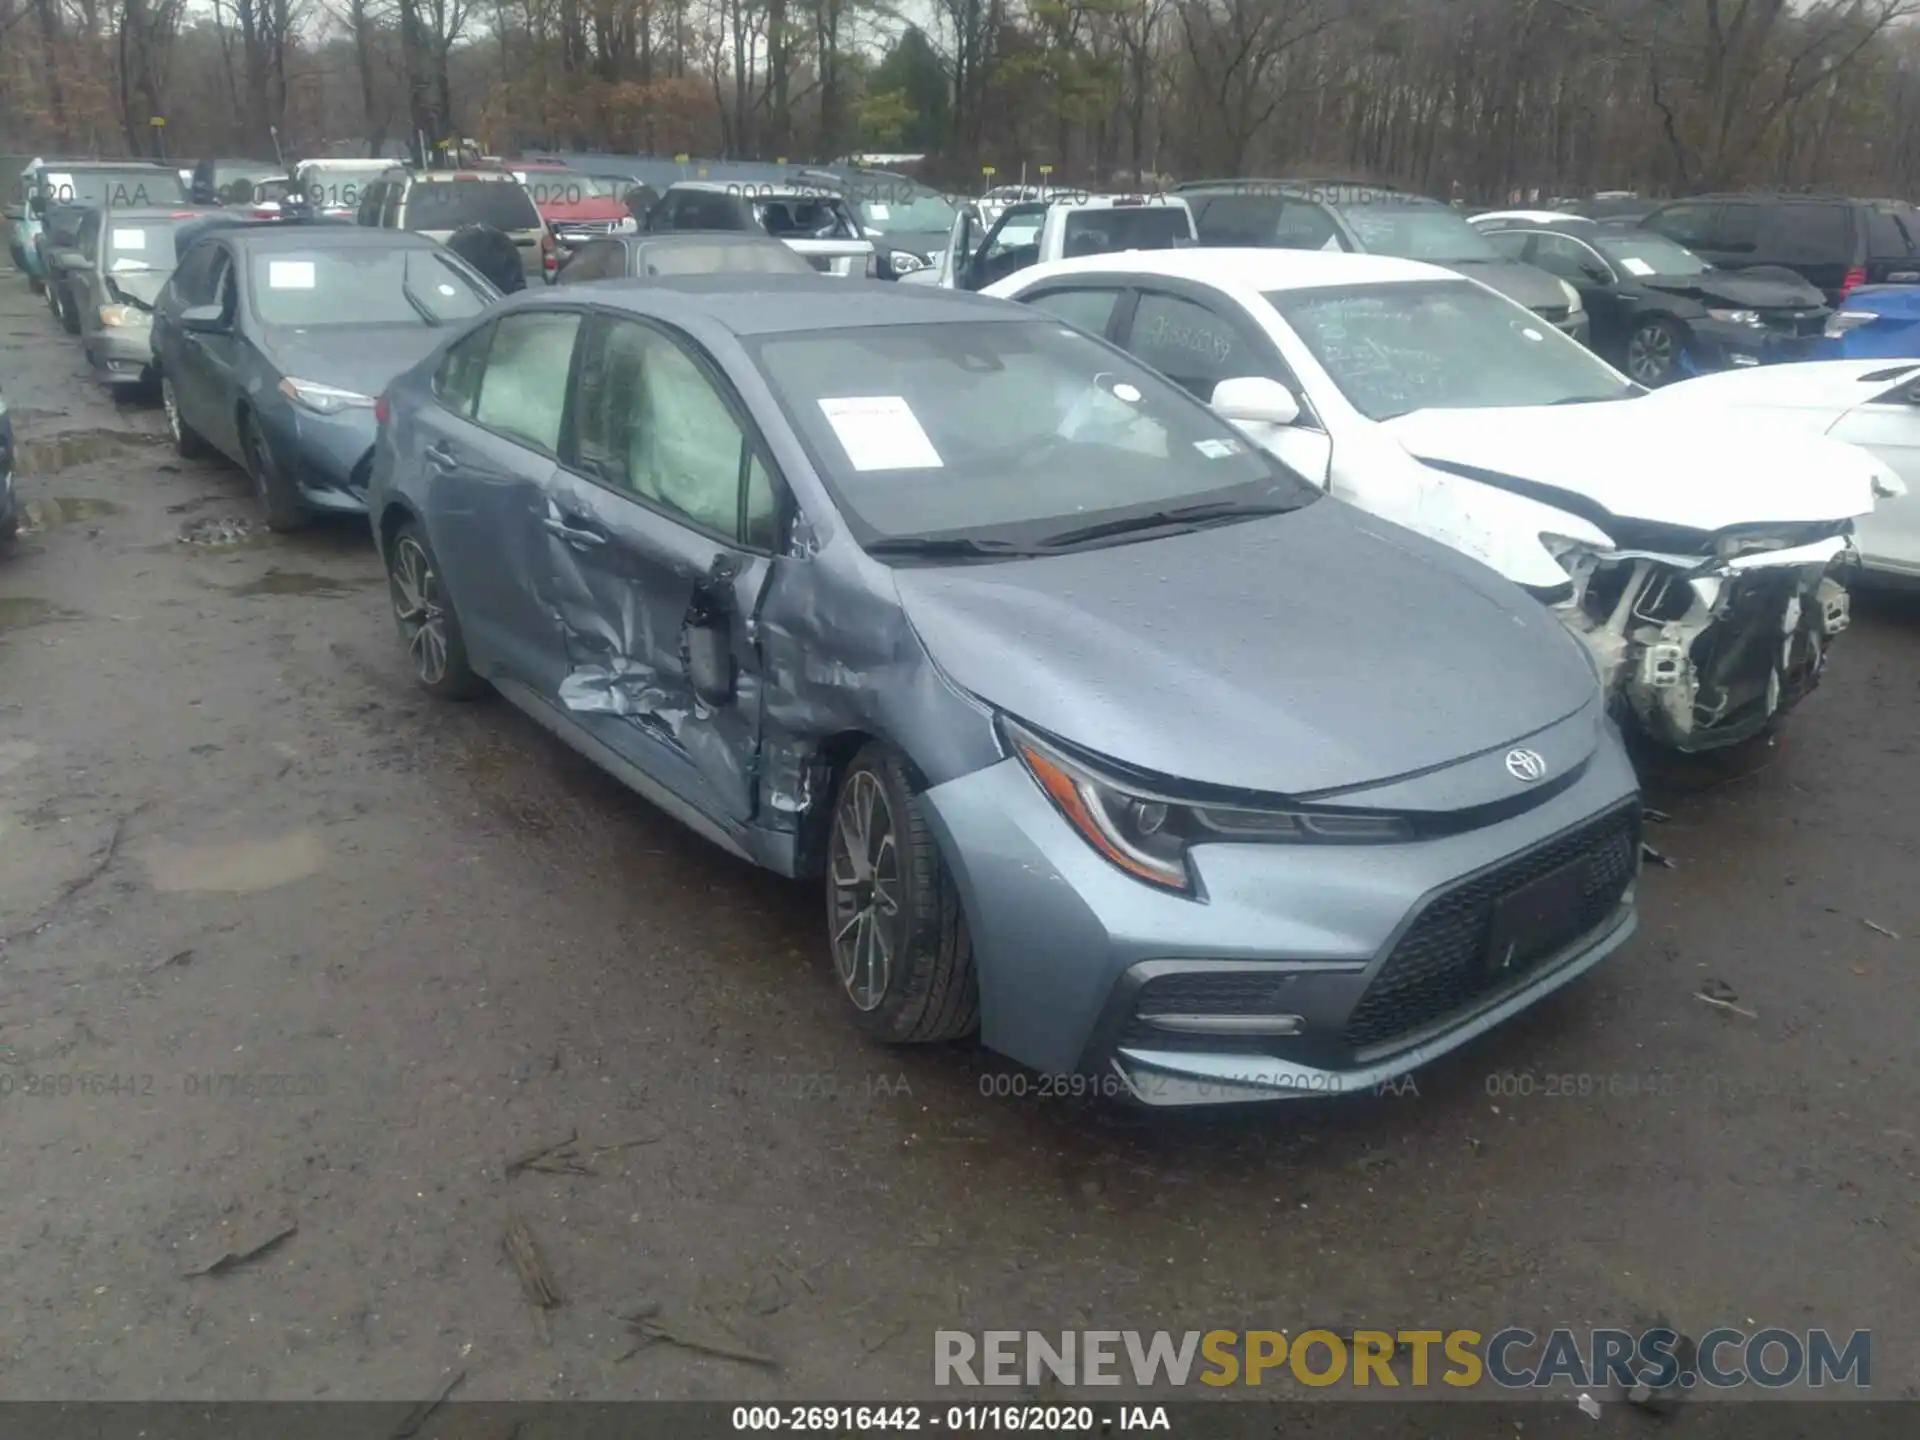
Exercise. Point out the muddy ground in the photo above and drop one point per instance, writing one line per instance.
(318, 952)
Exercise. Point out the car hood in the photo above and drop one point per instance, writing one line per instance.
(1732, 288)
(354, 357)
(1833, 386)
(1304, 653)
(1526, 284)
(1651, 460)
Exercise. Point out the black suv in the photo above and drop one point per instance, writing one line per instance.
(1833, 243)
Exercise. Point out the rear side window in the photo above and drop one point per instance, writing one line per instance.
(1248, 220)
(449, 204)
(702, 210)
(1102, 232)
(1809, 232)
(1089, 309)
(1886, 236)
(1690, 224)
(457, 382)
(523, 387)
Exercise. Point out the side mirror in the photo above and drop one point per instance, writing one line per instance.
(708, 636)
(1255, 400)
(206, 319)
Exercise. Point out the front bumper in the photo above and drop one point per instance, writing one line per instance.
(1716, 345)
(327, 457)
(1066, 945)
(1698, 655)
(121, 354)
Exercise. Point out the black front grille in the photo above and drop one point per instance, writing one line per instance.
(1437, 968)
(1797, 323)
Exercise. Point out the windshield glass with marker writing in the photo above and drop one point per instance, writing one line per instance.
(1441, 345)
(1007, 433)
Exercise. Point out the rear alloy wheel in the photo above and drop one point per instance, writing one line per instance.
(900, 943)
(186, 440)
(435, 646)
(1653, 352)
(271, 487)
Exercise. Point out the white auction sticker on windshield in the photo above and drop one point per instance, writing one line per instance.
(129, 239)
(1126, 392)
(1218, 449)
(880, 432)
(1635, 267)
(291, 275)
(1531, 333)
(879, 212)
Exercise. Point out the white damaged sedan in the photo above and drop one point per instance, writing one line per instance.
(1699, 557)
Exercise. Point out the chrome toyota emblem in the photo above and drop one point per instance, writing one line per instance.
(1526, 765)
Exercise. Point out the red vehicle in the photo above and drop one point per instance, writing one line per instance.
(573, 202)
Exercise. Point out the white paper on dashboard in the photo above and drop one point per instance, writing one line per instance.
(880, 432)
(129, 239)
(1636, 267)
(291, 275)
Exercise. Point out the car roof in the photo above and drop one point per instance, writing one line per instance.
(753, 305)
(285, 235)
(764, 190)
(1537, 217)
(1266, 184)
(129, 164)
(157, 212)
(1255, 269)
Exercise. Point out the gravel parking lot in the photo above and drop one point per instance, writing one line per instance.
(287, 950)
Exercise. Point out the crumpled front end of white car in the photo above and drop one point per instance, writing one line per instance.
(1705, 640)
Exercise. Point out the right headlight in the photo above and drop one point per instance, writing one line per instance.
(1842, 321)
(1148, 834)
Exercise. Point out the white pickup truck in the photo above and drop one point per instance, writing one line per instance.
(1029, 232)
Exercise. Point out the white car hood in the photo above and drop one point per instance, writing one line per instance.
(1644, 460)
(1829, 386)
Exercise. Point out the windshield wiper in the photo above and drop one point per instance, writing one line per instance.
(1180, 518)
(1626, 394)
(425, 311)
(946, 546)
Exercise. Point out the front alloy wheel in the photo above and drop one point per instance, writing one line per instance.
(1653, 351)
(901, 948)
(865, 896)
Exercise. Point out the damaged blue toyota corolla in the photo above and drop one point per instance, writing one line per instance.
(1104, 733)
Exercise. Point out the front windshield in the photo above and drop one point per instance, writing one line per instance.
(918, 214)
(361, 285)
(1440, 345)
(140, 246)
(1417, 232)
(1009, 430)
(1644, 253)
(129, 188)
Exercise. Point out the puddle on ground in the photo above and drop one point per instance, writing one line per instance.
(18, 612)
(236, 869)
(46, 511)
(297, 582)
(76, 447)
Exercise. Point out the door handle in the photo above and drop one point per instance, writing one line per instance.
(440, 456)
(577, 536)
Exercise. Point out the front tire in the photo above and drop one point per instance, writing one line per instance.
(424, 612)
(69, 312)
(900, 944)
(187, 443)
(271, 487)
(1653, 352)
